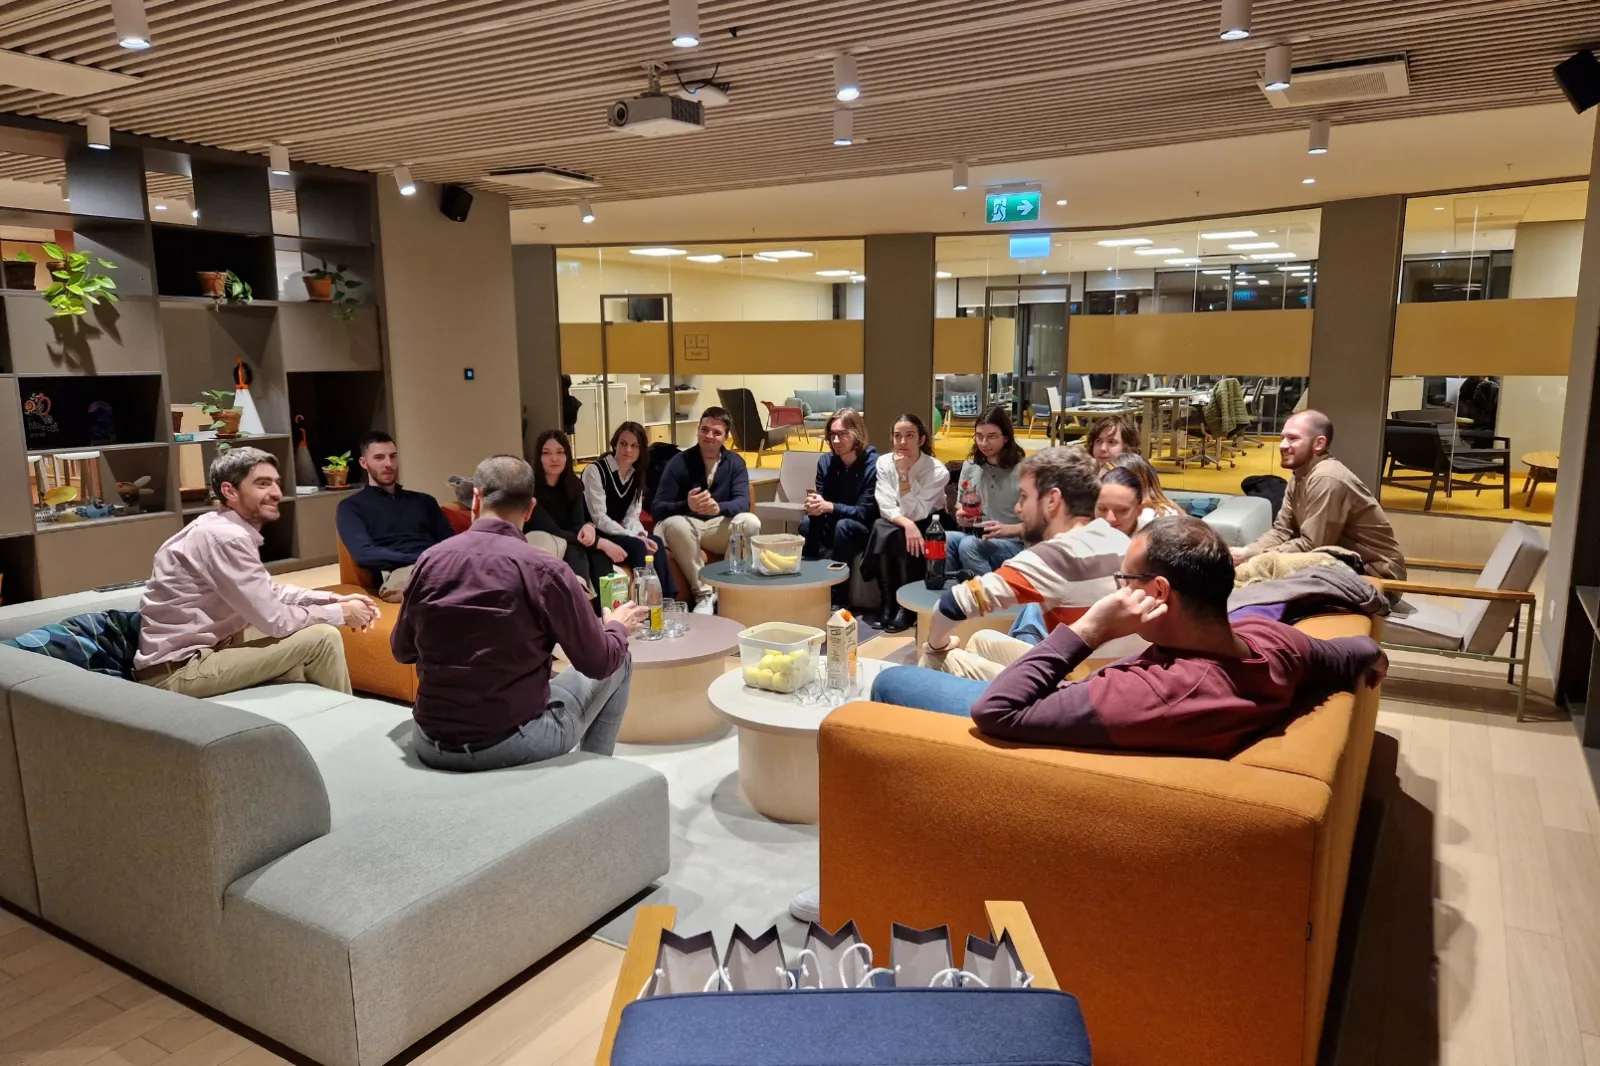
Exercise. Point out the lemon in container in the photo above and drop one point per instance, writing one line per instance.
(779, 656)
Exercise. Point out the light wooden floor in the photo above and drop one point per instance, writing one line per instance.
(1509, 827)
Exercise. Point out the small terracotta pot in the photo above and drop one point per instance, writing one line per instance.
(319, 290)
(230, 423)
(19, 275)
(177, 422)
(335, 477)
(212, 282)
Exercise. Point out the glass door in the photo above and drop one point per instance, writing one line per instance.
(638, 374)
(1026, 352)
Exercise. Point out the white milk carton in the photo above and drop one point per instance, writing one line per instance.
(842, 653)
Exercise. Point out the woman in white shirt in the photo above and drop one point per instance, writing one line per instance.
(911, 489)
(613, 487)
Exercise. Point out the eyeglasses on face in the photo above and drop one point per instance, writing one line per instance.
(1124, 580)
(837, 434)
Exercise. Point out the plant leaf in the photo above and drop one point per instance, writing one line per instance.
(23, 257)
(54, 251)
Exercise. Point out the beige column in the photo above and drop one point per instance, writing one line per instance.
(898, 330)
(533, 273)
(1352, 338)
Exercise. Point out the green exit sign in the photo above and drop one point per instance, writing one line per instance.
(1011, 206)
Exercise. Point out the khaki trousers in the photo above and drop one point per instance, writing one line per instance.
(686, 535)
(988, 652)
(314, 654)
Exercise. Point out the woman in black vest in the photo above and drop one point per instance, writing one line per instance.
(559, 510)
(613, 488)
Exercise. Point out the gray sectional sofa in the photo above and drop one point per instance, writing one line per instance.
(280, 855)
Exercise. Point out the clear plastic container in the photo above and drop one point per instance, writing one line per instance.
(779, 656)
(776, 553)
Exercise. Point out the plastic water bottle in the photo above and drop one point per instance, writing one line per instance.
(738, 552)
(933, 546)
(647, 593)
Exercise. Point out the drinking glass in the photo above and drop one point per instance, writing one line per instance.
(675, 617)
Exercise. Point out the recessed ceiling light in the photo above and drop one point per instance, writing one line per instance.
(1308, 181)
(277, 159)
(683, 17)
(760, 257)
(1061, 203)
(1321, 137)
(1216, 273)
(98, 131)
(846, 79)
(785, 253)
(403, 182)
(1280, 68)
(161, 207)
(194, 213)
(942, 274)
(1438, 209)
(1235, 20)
(858, 277)
(844, 126)
(585, 210)
(657, 253)
(958, 177)
(133, 27)
(1274, 255)
(1229, 234)
(1125, 242)
(1158, 251)
(711, 258)
(1188, 261)
(834, 273)
(1253, 246)
(1263, 281)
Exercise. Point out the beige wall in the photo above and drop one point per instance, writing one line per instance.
(698, 295)
(448, 304)
(1545, 265)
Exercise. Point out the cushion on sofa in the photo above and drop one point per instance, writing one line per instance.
(103, 643)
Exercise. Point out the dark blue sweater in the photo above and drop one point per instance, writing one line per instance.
(383, 532)
(851, 489)
(730, 488)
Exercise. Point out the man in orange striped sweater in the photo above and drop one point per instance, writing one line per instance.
(1066, 567)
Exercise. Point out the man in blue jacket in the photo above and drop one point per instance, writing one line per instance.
(704, 495)
(841, 509)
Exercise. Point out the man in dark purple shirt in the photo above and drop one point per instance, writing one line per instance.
(480, 618)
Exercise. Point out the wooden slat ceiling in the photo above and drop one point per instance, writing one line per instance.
(456, 88)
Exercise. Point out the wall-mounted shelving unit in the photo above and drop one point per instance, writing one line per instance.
(105, 385)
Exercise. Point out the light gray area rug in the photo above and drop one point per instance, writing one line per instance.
(729, 864)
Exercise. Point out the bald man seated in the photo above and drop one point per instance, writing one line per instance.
(1326, 505)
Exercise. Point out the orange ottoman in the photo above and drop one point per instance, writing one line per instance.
(372, 666)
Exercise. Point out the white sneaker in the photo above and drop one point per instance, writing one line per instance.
(706, 602)
(807, 905)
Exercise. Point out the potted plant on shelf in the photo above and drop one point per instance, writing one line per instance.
(76, 283)
(218, 403)
(19, 272)
(333, 285)
(337, 470)
(224, 286)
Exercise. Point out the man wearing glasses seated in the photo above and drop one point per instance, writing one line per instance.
(1203, 687)
(841, 508)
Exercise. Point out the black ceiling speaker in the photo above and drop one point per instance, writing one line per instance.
(1580, 80)
(455, 202)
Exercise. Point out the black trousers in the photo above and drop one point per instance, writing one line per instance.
(887, 552)
(829, 536)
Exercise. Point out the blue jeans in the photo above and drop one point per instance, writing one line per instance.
(636, 553)
(582, 713)
(1029, 626)
(926, 690)
(969, 551)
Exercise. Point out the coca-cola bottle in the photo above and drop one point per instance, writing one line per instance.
(933, 544)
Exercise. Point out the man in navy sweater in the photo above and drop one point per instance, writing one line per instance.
(841, 509)
(704, 495)
(384, 527)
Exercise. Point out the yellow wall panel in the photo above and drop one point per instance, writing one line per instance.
(958, 345)
(832, 346)
(1488, 337)
(1236, 342)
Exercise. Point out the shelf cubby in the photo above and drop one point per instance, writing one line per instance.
(182, 252)
(113, 338)
(88, 411)
(339, 408)
(19, 579)
(204, 344)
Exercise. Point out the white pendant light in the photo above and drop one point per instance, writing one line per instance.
(846, 79)
(133, 28)
(585, 211)
(683, 17)
(99, 131)
(1235, 20)
(844, 128)
(958, 177)
(277, 159)
(403, 182)
(1280, 67)
(1321, 134)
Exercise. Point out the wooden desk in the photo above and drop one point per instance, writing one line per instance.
(1161, 404)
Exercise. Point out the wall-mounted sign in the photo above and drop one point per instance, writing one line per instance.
(1003, 207)
(1030, 246)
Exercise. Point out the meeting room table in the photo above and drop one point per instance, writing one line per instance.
(1162, 416)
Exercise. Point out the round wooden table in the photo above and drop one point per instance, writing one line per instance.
(1542, 467)
(754, 598)
(667, 702)
(778, 742)
(923, 601)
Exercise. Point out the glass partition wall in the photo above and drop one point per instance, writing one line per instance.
(1135, 321)
(1482, 342)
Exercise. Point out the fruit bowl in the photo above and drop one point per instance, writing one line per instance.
(778, 656)
(776, 553)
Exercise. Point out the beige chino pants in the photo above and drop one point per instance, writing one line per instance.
(686, 535)
(314, 655)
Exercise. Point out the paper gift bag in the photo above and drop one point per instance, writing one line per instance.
(993, 965)
(683, 964)
(833, 960)
(755, 963)
(921, 957)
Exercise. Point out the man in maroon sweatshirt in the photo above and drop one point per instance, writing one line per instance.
(1203, 687)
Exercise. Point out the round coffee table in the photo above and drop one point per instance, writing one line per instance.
(778, 742)
(1542, 468)
(923, 601)
(667, 702)
(754, 598)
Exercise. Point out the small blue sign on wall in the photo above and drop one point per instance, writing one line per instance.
(1030, 246)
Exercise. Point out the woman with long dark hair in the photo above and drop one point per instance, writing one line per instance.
(1155, 502)
(613, 490)
(559, 510)
(910, 491)
(986, 501)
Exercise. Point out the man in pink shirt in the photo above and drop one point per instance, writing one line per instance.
(214, 621)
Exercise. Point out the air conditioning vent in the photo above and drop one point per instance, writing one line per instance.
(543, 178)
(1340, 83)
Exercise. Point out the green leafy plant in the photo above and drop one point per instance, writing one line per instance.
(344, 300)
(77, 282)
(234, 291)
(338, 462)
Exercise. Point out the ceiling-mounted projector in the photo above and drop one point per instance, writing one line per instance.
(656, 115)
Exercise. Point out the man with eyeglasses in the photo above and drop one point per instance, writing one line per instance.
(841, 508)
(1203, 687)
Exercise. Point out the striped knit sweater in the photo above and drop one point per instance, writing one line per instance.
(1064, 575)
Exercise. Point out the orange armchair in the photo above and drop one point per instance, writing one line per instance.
(371, 663)
(1192, 905)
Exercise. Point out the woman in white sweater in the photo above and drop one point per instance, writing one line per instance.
(613, 487)
(911, 489)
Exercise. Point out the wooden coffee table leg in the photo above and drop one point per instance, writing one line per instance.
(778, 774)
(752, 605)
(668, 704)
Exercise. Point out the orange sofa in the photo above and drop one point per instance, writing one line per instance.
(1192, 905)
(372, 665)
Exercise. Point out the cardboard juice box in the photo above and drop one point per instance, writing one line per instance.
(842, 652)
